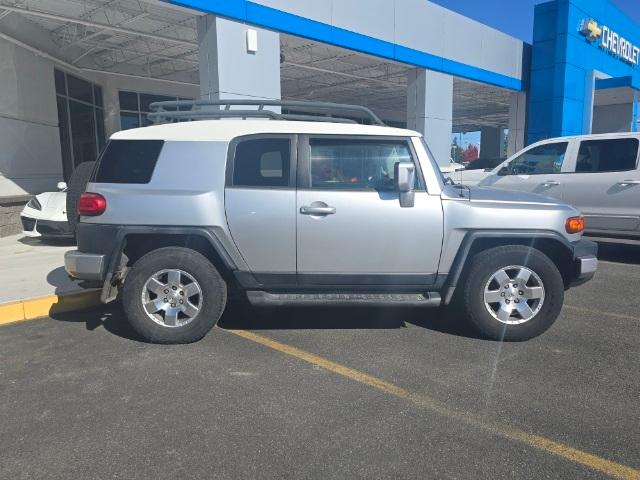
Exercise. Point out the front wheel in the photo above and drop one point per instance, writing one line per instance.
(173, 295)
(512, 293)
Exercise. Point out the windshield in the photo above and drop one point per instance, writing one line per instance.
(434, 164)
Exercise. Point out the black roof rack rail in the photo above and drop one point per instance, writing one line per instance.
(163, 112)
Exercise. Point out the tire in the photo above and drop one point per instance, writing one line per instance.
(196, 272)
(484, 276)
(77, 186)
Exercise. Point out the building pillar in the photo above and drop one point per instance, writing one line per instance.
(589, 101)
(517, 122)
(491, 142)
(430, 110)
(635, 117)
(111, 99)
(237, 61)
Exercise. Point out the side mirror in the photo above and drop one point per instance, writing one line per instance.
(62, 185)
(405, 180)
(503, 171)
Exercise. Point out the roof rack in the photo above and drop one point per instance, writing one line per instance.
(164, 112)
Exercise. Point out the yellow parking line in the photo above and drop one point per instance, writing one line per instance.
(621, 316)
(550, 446)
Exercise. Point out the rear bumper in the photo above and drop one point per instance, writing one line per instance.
(84, 266)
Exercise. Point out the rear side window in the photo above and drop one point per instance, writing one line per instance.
(614, 155)
(262, 162)
(128, 161)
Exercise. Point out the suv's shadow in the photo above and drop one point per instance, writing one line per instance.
(48, 241)
(241, 316)
(110, 317)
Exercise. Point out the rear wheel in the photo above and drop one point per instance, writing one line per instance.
(173, 295)
(77, 186)
(512, 293)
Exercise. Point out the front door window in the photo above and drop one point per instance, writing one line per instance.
(542, 160)
(355, 164)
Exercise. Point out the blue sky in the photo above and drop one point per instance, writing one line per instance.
(515, 17)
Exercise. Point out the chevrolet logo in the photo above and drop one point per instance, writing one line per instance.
(591, 30)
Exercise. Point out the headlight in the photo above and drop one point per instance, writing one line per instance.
(35, 204)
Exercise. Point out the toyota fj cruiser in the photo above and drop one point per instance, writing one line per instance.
(292, 209)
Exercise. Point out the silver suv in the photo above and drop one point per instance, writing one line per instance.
(292, 211)
(599, 174)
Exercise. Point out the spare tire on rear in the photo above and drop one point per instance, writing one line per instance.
(77, 186)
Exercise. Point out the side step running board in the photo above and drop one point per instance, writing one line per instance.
(266, 299)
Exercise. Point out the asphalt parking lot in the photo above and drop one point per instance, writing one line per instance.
(293, 393)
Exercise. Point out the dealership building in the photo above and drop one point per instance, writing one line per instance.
(72, 72)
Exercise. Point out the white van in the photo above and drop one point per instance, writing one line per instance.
(598, 174)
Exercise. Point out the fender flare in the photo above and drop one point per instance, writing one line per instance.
(455, 273)
(109, 291)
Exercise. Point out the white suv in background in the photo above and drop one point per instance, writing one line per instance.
(598, 174)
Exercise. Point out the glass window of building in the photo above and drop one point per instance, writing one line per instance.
(80, 120)
(134, 108)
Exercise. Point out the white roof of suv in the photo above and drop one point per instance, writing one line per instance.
(226, 130)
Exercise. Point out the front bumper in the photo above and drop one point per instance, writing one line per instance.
(35, 227)
(587, 266)
(585, 261)
(84, 266)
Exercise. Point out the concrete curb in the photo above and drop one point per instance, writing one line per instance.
(32, 308)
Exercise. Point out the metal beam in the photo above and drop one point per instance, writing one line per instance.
(100, 32)
(117, 48)
(178, 82)
(125, 31)
(346, 75)
(75, 69)
(94, 9)
(39, 52)
(82, 55)
(138, 55)
(177, 8)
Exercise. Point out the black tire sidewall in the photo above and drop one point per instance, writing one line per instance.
(214, 292)
(486, 264)
(76, 187)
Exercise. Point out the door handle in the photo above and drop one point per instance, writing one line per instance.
(626, 183)
(317, 210)
(550, 183)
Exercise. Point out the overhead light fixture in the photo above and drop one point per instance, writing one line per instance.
(252, 40)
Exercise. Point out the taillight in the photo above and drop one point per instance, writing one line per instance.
(574, 224)
(92, 204)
